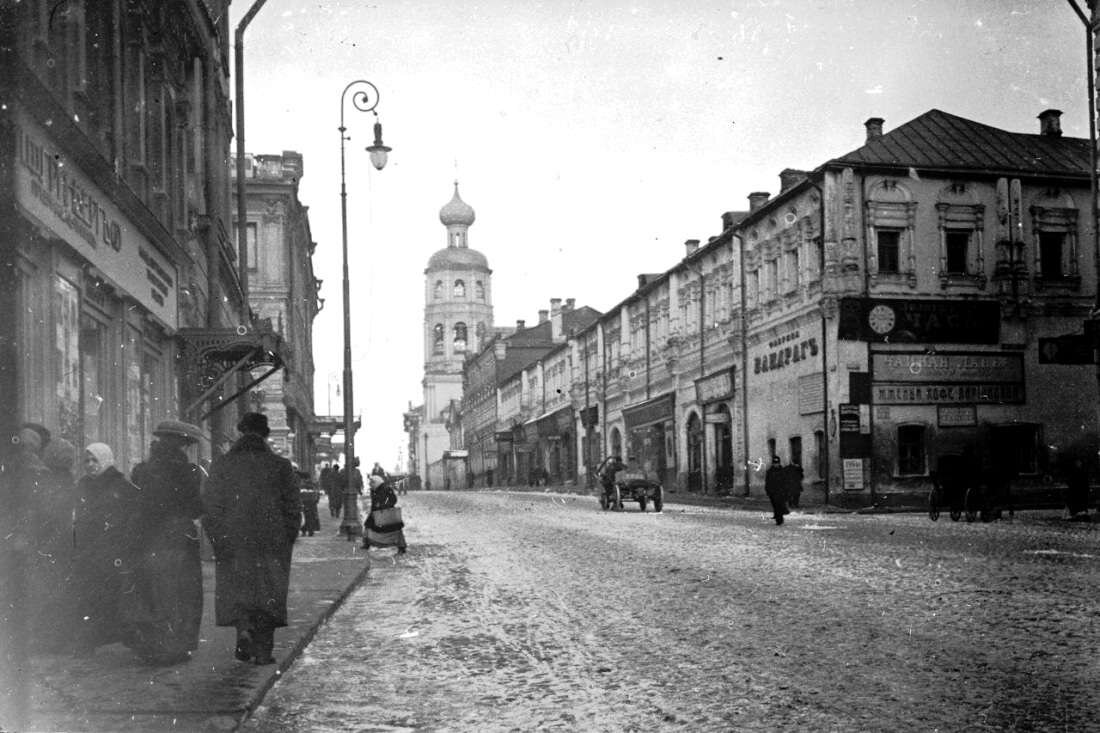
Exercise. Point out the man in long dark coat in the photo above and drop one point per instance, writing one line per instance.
(251, 509)
(775, 486)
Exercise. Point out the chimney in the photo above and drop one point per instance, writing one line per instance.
(520, 324)
(691, 246)
(570, 303)
(544, 316)
(555, 306)
(556, 314)
(1050, 123)
(874, 128)
(758, 199)
(788, 177)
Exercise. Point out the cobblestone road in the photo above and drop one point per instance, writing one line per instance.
(539, 611)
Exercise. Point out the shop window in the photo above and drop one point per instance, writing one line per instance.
(957, 244)
(888, 249)
(66, 344)
(135, 405)
(437, 338)
(1051, 245)
(460, 289)
(95, 376)
(911, 455)
(795, 445)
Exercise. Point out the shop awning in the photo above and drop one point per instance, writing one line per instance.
(213, 356)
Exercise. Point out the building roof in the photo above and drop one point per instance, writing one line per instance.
(939, 140)
(458, 258)
(456, 211)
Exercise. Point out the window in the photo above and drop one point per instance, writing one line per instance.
(1050, 254)
(796, 450)
(888, 250)
(67, 349)
(1016, 448)
(479, 290)
(250, 245)
(96, 372)
(957, 243)
(819, 451)
(771, 449)
(772, 284)
(437, 293)
(437, 338)
(793, 274)
(911, 449)
(460, 289)
(460, 336)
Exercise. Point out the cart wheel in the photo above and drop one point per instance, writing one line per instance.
(970, 503)
(604, 503)
(956, 515)
(659, 500)
(641, 503)
(933, 507)
(618, 505)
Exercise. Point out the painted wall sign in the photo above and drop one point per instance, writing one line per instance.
(786, 350)
(947, 394)
(811, 394)
(657, 409)
(54, 192)
(903, 320)
(947, 367)
(715, 387)
(853, 474)
(950, 416)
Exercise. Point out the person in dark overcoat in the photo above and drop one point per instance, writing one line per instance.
(1077, 488)
(165, 613)
(794, 475)
(310, 496)
(105, 550)
(775, 486)
(251, 510)
(337, 483)
(382, 496)
(52, 537)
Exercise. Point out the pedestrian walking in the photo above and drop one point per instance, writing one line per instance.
(1077, 489)
(50, 534)
(775, 486)
(794, 475)
(310, 496)
(335, 492)
(380, 530)
(164, 613)
(251, 510)
(105, 556)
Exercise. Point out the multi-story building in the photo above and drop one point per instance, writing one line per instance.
(114, 207)
(458, 319)
(283, 290)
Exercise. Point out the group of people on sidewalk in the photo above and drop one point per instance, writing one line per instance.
(115, 559)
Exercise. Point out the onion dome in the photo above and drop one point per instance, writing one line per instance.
(456, 211)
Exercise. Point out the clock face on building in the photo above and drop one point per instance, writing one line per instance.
(881, 319)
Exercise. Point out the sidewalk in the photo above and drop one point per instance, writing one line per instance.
(113, 691)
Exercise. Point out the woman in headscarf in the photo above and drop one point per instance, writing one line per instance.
(382, 496)
(52, 531)
(105, 554)
(164, 614)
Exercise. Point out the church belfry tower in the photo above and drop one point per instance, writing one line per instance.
(458, 320)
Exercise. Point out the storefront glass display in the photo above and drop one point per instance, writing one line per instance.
(66, 346)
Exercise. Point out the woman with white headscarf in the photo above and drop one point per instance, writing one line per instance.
(105, 552)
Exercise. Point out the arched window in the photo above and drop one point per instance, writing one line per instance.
(460, 336)
(437, 339)
(479, 331)
(479, 290)
(438, 292)
(460, 289)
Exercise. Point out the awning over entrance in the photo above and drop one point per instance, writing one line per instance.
(213, 356)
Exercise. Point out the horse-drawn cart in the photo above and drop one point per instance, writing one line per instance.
(632, 486)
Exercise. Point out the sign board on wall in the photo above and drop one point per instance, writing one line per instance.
(853, 474)
(951, 416)
(811, 394)
(718, 386)
(920, 378)
(53, 191)
(909, 320)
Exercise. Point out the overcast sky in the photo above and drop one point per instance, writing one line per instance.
(593, 138)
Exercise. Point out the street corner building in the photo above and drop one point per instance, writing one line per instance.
(928, 293)
(115, 230)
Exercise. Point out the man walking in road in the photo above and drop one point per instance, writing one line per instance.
(775, 486)
(251, 507)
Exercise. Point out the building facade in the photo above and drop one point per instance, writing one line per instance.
(114, 218)
(458, 319)
(284, 292)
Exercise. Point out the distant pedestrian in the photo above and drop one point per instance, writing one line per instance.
(105, 545)
(794, 475)
(392, 534)
(337, 483)
(775, 486)
(1077, 488)
(251, 513)
(310, 496)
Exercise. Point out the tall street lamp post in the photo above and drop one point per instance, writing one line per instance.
(364, 99)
